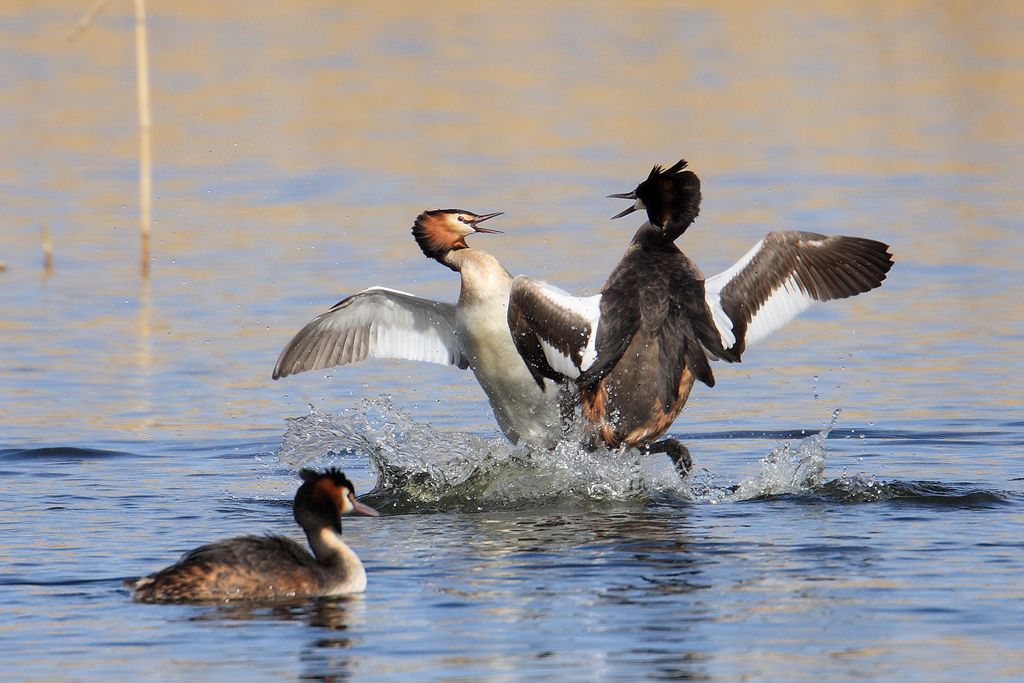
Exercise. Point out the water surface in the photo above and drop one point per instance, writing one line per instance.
(295, 143)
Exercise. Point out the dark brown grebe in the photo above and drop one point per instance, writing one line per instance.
(272, 567)
(635, 349)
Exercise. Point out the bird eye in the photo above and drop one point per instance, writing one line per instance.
(462, 219)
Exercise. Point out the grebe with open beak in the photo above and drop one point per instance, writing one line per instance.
(387, 323)
(635, 350)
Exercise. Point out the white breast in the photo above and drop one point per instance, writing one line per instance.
(524, 411)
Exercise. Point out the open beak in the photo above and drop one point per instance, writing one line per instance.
(625, 195)
(362, 508)
(480, 219)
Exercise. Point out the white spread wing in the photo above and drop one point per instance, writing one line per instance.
(374, 323)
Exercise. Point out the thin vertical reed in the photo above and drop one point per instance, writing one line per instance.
(145, 158)
(142, 93)
(47, 250)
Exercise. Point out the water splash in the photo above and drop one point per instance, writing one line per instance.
(787, 469)
(420, 468)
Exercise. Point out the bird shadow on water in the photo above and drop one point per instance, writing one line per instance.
(333, 613)
(423, 469)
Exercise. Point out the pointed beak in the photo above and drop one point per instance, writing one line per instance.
(480, 219)
(362, 508)
(625, 195)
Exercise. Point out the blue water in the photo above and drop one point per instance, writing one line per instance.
(857, 504)
(856, 575)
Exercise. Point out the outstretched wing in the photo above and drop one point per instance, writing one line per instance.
(554, 331)
(375, 323)
(783, 275)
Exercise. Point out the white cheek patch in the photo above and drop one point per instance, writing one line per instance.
(346, 504)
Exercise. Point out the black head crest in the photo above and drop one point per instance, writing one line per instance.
(339, 478)
(319, 500)
(660, 170)
(671, 197)
(333, 473)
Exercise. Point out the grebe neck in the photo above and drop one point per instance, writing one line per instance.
(330, 550)
(343, 570)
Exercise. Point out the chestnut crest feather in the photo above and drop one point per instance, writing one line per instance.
(441, 231)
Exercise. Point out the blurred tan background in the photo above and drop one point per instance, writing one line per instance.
(294, 143)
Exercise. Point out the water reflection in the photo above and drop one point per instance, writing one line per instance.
(653, 568)
(322, 657)
(330, 613)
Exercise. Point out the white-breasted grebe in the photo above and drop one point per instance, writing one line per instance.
(386, 323)
(272, 567)
(635, 349)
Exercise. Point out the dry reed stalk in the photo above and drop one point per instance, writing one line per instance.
(87, 19)
(47, 250)
(145, 158)
(142, 92)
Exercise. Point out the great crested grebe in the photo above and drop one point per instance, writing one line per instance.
(635, 349)
(272, 567)
(386, 323)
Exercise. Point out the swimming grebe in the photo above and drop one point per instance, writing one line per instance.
(272, 567)
(635, 349)
(386, 323)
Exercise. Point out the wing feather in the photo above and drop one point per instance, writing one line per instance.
(554, 331)
(783, 274)
(374, 323)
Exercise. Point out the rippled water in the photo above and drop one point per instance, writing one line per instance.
(857, 503)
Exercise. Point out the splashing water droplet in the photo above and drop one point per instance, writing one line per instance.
(422, 468)
(788, 468)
